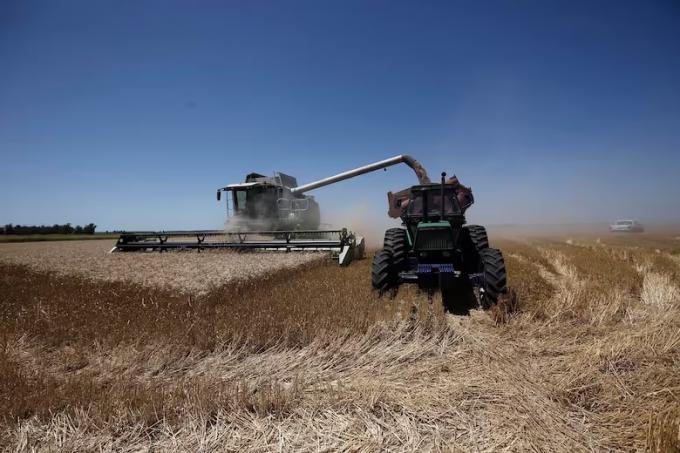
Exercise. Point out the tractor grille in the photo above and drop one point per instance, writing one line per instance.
(434, 239)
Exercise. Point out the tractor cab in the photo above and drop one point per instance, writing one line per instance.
(433, 218)
(426, 202)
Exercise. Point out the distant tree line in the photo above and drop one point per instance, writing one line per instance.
(66, 228)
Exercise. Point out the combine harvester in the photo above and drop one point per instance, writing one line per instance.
(269, 213)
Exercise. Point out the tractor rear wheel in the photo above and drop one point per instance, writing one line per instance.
(396, 242)
(478, 236)
(495, 276)
(382, 272)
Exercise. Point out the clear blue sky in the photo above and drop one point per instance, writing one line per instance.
(130, 114)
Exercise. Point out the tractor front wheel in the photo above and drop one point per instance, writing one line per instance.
(495, 276)
(396, 243)
(478, 236)
(382, 273)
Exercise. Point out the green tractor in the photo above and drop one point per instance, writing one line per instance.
(435, 249)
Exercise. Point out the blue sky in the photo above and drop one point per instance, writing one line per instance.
(130, 114)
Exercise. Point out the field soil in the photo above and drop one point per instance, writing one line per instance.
(583, 355)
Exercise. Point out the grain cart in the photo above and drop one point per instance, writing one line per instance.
(435, 249)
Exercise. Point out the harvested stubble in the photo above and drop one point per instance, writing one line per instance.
(310, 359)
(188, 271)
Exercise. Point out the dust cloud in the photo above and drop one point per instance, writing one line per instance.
(363, 219)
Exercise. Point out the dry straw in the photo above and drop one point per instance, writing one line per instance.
(584, 357)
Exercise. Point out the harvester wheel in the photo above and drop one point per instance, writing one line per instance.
(478, 236)
(495, 276)
(382, 274)
(396, 242)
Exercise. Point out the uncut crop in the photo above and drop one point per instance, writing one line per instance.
(584, 355)
(182, 271)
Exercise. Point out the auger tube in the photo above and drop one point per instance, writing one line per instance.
(419, 170)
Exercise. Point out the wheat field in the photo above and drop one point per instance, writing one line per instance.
(584, 355)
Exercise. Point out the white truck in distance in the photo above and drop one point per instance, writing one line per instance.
(626, 226)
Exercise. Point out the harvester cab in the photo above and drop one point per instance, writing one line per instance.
(266, 203)
(435, 248)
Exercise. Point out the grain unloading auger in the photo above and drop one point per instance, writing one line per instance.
(270, 213)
